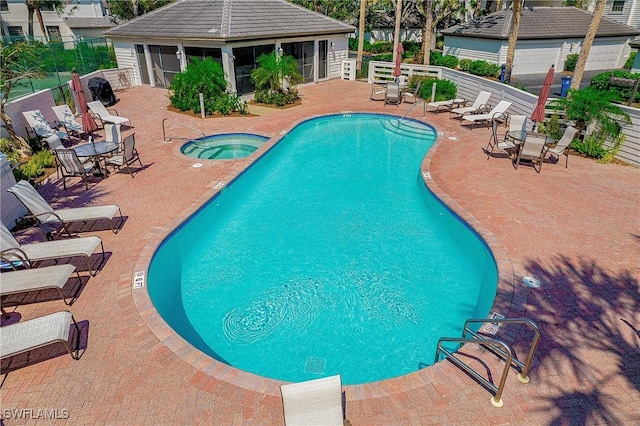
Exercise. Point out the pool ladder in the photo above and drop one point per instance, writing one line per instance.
(497, 347)
(164, 133)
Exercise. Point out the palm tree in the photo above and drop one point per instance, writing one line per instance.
(586, 44)
(363, 8)
(425, 7)
(35, 6)
(513, 38)
(274, 69)
(396, 34)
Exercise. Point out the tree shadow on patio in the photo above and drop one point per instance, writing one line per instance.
(582, 308)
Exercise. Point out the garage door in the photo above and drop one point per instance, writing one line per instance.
(604, 54)
(536, 57)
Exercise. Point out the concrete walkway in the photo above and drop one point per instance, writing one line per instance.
(576, 229)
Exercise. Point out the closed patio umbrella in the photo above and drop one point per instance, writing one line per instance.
(538, 112)
(88, 123)
(397, 71)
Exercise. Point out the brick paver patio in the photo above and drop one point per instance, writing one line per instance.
(576, 229)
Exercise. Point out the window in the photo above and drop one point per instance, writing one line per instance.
(617, 6)
(16, 32)
(44, 7)
(54, 33)
(202, 52)
(4, 7)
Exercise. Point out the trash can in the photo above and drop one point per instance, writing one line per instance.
(503, 71)
(566, 84)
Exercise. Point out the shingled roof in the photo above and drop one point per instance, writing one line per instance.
(228, 20)
(540, 23)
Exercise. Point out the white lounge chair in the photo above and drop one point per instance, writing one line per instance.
(68, 120)
(40, 125)
(11, 250)
(495, 114)
(104, 115)
(314, 402)
(480, 104)
(563, 143)
(38, 332)
(447, 105)
(45, 214)
(38, 279)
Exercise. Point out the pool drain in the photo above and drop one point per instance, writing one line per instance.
(531, 282)
(315, 365)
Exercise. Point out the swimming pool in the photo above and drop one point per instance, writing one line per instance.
(223, 146)
(327, 256)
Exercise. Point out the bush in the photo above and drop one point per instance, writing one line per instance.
(629, 62)
(621, 94)
(551, 127)
(464, 64)
(445, 89)
(207, 77)
(592, 146)
(570, 62)
(277, 98)
(438, 59)
(484, 69)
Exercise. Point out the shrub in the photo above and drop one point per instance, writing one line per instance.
(438, 59)
(464, 64)
(570, 62)
(484, 69)
(629, 62)
(591, 146)
(551, 127)
(207, 77)
(277, 98)
(445, 89)
(622, 94)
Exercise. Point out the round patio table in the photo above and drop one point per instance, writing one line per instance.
(96, 151)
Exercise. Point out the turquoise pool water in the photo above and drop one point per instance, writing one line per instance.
(223, 146)
(328, 255)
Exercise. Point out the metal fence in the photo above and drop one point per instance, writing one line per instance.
(58, 58)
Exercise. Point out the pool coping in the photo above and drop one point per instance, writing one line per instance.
(509, 301)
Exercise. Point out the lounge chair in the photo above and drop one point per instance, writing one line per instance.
(38, 332)
(533, 149)
(11, 250)
(40, 125)
(38, 279)
(314, 402)
(497, 113)
(447, 105)
(68, 120)
(479, 105)
(127, 156)
(496, 142)
(393, 95)
(563, 143)
(71, 166)
(47, 215)
(104, 115)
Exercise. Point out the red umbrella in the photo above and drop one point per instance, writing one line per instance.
(538, 112)
(88, 123)
(397, 72)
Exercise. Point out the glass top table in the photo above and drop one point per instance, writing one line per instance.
(519, 136)
(95, 149)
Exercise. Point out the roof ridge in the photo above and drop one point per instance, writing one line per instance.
(225, 25)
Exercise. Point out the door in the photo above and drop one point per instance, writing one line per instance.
(165, 64)
(143, 71)
(322, 59)
(303, 54)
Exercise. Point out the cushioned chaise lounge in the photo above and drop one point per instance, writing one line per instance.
(37, 279)
(12, 250)
(98, 109)
(45, 214)
(480, 104)
(495, 114)
(68, 120)
(38, 332)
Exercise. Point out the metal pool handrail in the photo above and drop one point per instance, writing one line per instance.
(164, 137)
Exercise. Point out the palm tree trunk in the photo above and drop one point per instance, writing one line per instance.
(42, 28)
(30, 22)
(513, 38)
(363, 8)
(427, 32)
(396, 34)
(586, 44)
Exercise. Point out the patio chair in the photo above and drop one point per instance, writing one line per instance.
(40, 125)
(54, 143)
(38, 332)
(496, 142)
(63, 218)
(68, 120)
(378, 90)
(561, 147)
(71, 166)
(533, 149)
(112, 133)
(99, 110)
(517, 123)
(25, 281)
(393, 95)
(497, 113)
(415, 94)
(314, 402)
(479, 105)
(127, 156)
(11, 250)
